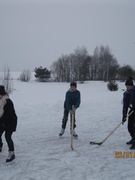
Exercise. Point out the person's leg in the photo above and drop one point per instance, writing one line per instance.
(74, 125)
(64, 122)
(131, 129)
(8, 135)
(65, 119)
(1, 132)
(11, 155)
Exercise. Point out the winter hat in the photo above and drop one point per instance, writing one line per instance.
(73, 84)
(129, 82)
(2, 90)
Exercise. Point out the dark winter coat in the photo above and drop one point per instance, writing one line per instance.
(9, 117)
(128, 100)
(72, 98)
(132, 99)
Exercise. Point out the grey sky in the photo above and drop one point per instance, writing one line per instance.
(36, 33)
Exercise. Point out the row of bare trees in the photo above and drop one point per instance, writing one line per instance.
(77, 66)
(81, 66)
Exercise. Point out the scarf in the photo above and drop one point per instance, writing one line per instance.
(2, 104)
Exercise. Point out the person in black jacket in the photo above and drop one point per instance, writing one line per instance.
(128, 104)
(8, 122)
(73, 97)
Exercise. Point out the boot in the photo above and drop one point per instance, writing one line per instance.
(62, 132)
(133, 146)
(130, 142)
(74, 134)
(11, 156)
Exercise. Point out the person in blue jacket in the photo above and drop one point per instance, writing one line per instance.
(129, 104)
(73, 97)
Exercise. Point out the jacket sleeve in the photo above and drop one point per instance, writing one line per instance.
(7, 111)
(126, 99)
(78, 100)
(132, 101)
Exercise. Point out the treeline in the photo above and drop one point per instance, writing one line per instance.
(80, 66)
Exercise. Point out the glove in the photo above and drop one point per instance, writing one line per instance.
(124, 119)
(133, 108)
(72, 111)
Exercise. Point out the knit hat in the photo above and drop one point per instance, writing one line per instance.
(129, 82)
(2, 90)
(73, 84)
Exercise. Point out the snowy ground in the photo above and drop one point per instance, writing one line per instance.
(42, 155)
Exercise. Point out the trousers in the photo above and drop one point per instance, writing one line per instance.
(131, 125)
(65, 119)
(8, 137)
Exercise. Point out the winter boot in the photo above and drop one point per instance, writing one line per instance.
(130, 142)
(74, 134)
(62, 132)
(133, 146)
(11, 156)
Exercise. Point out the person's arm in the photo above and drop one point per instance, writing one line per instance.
(126, 99)
(78, 99)
(7, 111)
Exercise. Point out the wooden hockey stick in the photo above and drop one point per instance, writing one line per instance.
(72, 126)
(99, 143)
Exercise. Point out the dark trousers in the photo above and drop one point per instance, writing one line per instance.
(8, 135)
(65, 119)
(131, 125)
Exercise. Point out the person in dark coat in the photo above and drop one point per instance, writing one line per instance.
(129, 104)
(73, 97)
(8, 122)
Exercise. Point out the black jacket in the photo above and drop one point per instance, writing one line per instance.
(9, 117)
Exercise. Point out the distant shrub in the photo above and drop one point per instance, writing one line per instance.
(112, 85)
(25, 76)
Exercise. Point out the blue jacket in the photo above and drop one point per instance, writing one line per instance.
(128, 100)
(72, 98)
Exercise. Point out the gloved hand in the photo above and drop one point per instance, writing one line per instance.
(133, 108)
(72, 111)
(124, 119)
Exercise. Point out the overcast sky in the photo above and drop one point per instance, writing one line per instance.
(36, 33)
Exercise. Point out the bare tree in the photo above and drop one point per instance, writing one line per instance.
(72, 67)
(126, 71)
(6, 80)
(106, 64)
(80, 66)
(25, 76)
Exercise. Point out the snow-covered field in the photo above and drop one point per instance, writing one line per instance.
(42, 155)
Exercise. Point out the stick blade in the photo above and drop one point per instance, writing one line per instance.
(95, 143)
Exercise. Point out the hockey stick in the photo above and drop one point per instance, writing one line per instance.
(72, 128)
(99, 143)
